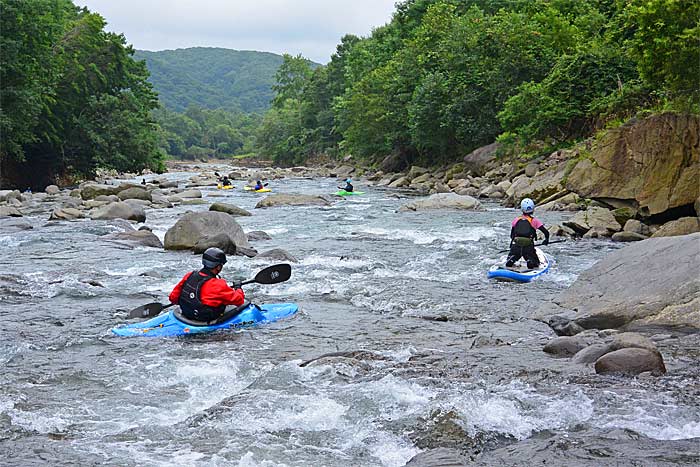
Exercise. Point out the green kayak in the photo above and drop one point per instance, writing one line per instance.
(349, 193)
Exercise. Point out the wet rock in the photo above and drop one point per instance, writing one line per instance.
(91, 203)
(9, 194)
(600, 219)
(9, 211)
(10, 224)
(400, 182)
(190, 194)
(439, 457)
(682, 226)
(119, 210)
(486, 341)
(562, 231)
(52, 190)
(278, 254)
(635, 226)
(107, 198)
(135, 193)
(631, 339)
(628, 237)
(229, 209)
(74, 203)
(631, 362)
(443, 201)
(649, 283)
(193, 202)
(66, 214)
(257, 235)
(91, 191)
(167, 184)
(354, 354)
(564, 346)
(564, 326)
(292, 199)
(221, 240)
(591, 353)
(193, 226)
(139, 237)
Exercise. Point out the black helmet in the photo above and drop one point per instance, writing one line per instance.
(213, 257)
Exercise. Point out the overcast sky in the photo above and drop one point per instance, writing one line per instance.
(310, 27)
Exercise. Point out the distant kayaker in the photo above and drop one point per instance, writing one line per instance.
(523, 233)
(202, 295)
(143, 181)
(258, 185)
(348, 185)
(225, 181)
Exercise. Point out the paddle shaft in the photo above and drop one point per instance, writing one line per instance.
(537, 244)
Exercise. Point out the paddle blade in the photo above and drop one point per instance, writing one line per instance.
(147, 310)
(274, 274)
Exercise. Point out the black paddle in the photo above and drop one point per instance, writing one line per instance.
(537, 244)
(270, 275)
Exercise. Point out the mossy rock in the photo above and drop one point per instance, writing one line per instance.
(622, 215)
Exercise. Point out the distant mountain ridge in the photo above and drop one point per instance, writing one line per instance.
(235, 80)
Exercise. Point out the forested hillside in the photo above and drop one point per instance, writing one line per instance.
(212, 78)
(447, 76)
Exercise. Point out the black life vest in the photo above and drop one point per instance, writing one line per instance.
(523, 228)
(349, 188)
(190, 301)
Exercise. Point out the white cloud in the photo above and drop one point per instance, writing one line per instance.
(310, 27)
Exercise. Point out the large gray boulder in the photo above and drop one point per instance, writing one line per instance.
(292, 199)
(631, 361)
(93, 190)
(650, 283)
(135, 193)
(443, 201)
(229, 209)
(195, 226)
(120, 210)
(136, 237)
(481, 160)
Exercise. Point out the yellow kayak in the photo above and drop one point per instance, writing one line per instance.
(225, 187)
(262, 190)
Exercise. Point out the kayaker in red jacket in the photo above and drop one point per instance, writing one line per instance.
(202, 295)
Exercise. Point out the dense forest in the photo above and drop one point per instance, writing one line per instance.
(212, 78)
(447, 76)
(72, 97)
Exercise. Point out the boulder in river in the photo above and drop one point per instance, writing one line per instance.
(443, 201)
(138, 237)
(66, 214)
(256, 235)
(135, 193)
(120, 210)
(631, 361)
(229, 209)
(194, 226)
(277, 254)
(92, 190)
(220, 240)
(292, 199)
(9, 211)
(52, 190)
(649, 283)
(564, 346)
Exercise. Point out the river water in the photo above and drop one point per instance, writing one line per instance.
(370, 281)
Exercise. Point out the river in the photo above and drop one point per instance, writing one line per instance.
(442, 356)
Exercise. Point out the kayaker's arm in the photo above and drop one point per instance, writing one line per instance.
(544, 230)
(175, 294)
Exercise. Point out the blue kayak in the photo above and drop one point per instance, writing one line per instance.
(172, 323)
(519, 272)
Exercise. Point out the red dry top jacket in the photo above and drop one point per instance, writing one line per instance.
(214, 292)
